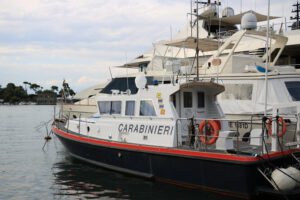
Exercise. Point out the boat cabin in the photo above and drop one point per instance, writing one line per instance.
(158, 114)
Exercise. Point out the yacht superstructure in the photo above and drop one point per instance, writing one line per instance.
(242, 79)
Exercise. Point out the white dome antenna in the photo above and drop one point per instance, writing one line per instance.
(140, 81)
(249, 21)
(227, 12)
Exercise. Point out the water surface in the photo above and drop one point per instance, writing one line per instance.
(28, 172)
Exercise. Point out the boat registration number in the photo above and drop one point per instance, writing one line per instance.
(243, 125)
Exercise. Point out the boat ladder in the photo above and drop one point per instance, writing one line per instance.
(264, 174)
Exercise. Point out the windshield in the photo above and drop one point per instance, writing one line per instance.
(294, 89)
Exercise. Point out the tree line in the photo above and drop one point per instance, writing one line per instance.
(15, 94)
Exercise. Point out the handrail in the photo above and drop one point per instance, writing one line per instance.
(204, 147)
(273, 26)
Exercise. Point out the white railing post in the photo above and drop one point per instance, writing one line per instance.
(274, 140)
(298, 126)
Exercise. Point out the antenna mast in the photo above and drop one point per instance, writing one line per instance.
(197, 24)
(267, 60)
(191, 18)
(197, 47)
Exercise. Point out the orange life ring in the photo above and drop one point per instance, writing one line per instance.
(281, 122)
(211, 127)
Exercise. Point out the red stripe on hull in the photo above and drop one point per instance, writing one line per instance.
(170, 150)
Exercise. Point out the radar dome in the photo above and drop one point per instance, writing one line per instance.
(227, 12)
(249, 21)
(140, 82)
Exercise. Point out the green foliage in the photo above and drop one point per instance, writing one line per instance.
(35, 87)
(1, 92)
(66, 90)
(14, 94)
(54, 88)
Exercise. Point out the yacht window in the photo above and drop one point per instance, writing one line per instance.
(104, 107)
(294, 89)
(123, 84)
(187, 99)
(201, 100)
(130, 105)
(146, 108)
(116, 107)
(237, 92)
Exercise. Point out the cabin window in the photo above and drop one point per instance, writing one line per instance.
(188, 99)
(123, 84)
(237, 92)
(104, 107)
(294, 89)
(130, 105)
(201, 100)
(109, 107)
(116, 107)
(147, 108)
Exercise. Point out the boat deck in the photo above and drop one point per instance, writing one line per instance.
(241, 148)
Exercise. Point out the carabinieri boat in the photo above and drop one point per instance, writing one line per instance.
(144, 134)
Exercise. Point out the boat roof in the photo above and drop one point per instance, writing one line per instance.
(146, 57)
(211, 86)
(135, 63)
(236, 19)
(204, 45)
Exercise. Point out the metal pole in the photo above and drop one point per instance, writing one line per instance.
(297, 16)
(68, 123)
(191, 23)
(267, 60)
(219, 13)
(197, 48)
(266, 77)
(79, 123)
(241, 6)
(54, 113)
(237, 137)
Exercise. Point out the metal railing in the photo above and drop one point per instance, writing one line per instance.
(192, 137)
(278, 28)
(189, 137)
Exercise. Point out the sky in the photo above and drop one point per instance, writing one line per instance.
(47, 41)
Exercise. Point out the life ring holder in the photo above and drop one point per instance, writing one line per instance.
(213, 128)
(280, 122)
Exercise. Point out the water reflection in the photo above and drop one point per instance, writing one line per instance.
(74, 179)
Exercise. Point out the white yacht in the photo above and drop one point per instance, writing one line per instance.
(241, 72)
